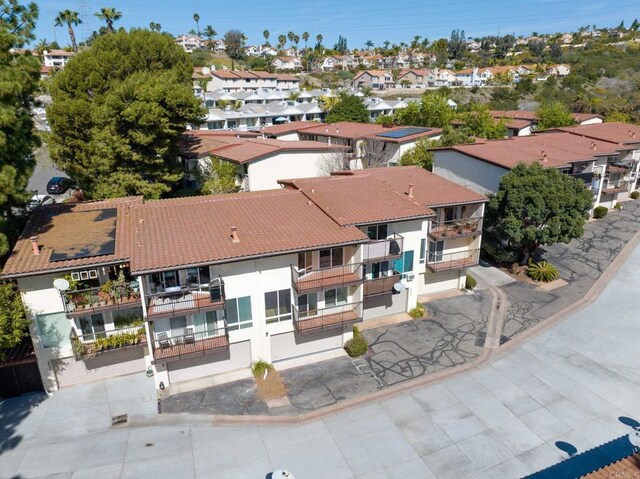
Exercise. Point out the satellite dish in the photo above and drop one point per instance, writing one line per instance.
(399, 287)
(61, 284)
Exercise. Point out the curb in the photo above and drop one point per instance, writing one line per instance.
(490, 352)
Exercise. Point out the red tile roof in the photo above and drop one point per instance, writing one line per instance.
(356, 131)
(531, 115)
(60, 225)
(245, 150)
(428, 189)
(287, 127)
(359, 200)
(197, 231)
(553, 150)
(618, 132)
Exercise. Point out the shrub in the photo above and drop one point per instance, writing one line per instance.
(600, 212)
(356, 331)
(618, 206)
(498, 252)
(356, 346)
(418, 312)
(634, 195)
(259, 367)
(543, 271)
(471, 282)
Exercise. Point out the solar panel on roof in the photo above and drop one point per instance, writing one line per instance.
(83, 234)
(404, 132)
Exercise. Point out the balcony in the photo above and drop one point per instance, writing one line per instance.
(446, 262)
(308, 280)
(380, 250)
(380, 286)
(180, 300)
(611, 187)
(107, 297)
(455, 228)
(190, 343)
(90, 345)
(327, 318)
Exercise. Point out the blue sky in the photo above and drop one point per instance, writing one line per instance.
(357, 20)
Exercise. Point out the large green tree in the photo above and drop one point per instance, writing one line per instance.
(19, 76)
(118, 113)
(554, 114)
(218, 177)
(537, 206)
(478, 122)
(349, 108)
(13, 320)
(419, 155)
(432, 110)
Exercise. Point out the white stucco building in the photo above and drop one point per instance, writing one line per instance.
(195, 289)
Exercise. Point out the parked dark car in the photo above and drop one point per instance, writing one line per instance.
(58, 185)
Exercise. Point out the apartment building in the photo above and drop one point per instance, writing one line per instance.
(368, 144)
(376, 79)
(260, 162)
(287, 63)
(190, 43)
(524, 122)
(607, 160)
(237, 80)
(56, 58)
(195, 289)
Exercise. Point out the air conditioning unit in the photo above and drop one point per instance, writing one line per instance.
(407, 277)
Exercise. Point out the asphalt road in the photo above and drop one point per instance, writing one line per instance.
(43, 172)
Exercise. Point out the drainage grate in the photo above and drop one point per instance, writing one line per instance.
(121, 419)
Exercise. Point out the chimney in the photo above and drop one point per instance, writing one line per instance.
(410, 191)
(35, 246)
(326, 130)
(234, 235)
(337, 130)
(593, 145)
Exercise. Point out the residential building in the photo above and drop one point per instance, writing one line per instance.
(376, 79)
(260, 161)
(368, 144)
(194, 290)
(338, 62)
(608, 167)
(189, 43)
(219, 46)
(287, 63)
(414, 77)
(56, 58)
(524, 122)
(236, 80)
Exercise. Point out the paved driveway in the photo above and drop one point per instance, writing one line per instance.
(501, 420)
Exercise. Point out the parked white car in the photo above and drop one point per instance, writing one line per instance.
(39, 200)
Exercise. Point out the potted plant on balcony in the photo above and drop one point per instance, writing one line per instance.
(104, 298)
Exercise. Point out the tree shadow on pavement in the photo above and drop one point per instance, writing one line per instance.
(12, 412)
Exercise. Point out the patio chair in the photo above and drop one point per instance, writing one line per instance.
(163, 340)
(189, 337)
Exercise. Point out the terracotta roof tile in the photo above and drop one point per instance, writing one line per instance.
(358, 200)
(428, 189)
(287, 127)
(553, 150)
(356, 131)
(618, 132)
(56, 225)
(193, 231)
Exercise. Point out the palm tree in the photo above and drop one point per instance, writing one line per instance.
(109, 15)
(282, 39)
(369, 44)
(386, 44)
(296, 40)
(291, 36)
(266, 35)
(305, 37)
(41, 46)
(319, 39)
(209, 32)
(196, 18)
(70, 19)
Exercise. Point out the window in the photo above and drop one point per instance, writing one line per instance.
(177, 325)
(331, 257)
(333, 297)
(377, 232)
(307, 304)
(197, 276)
(305, 261)
(377, 270)
(277, 305)
(166, 279)
(238, 313)
(423, 248)
(92, 327)
(435, 251)
(54, 330)
(404, 264)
